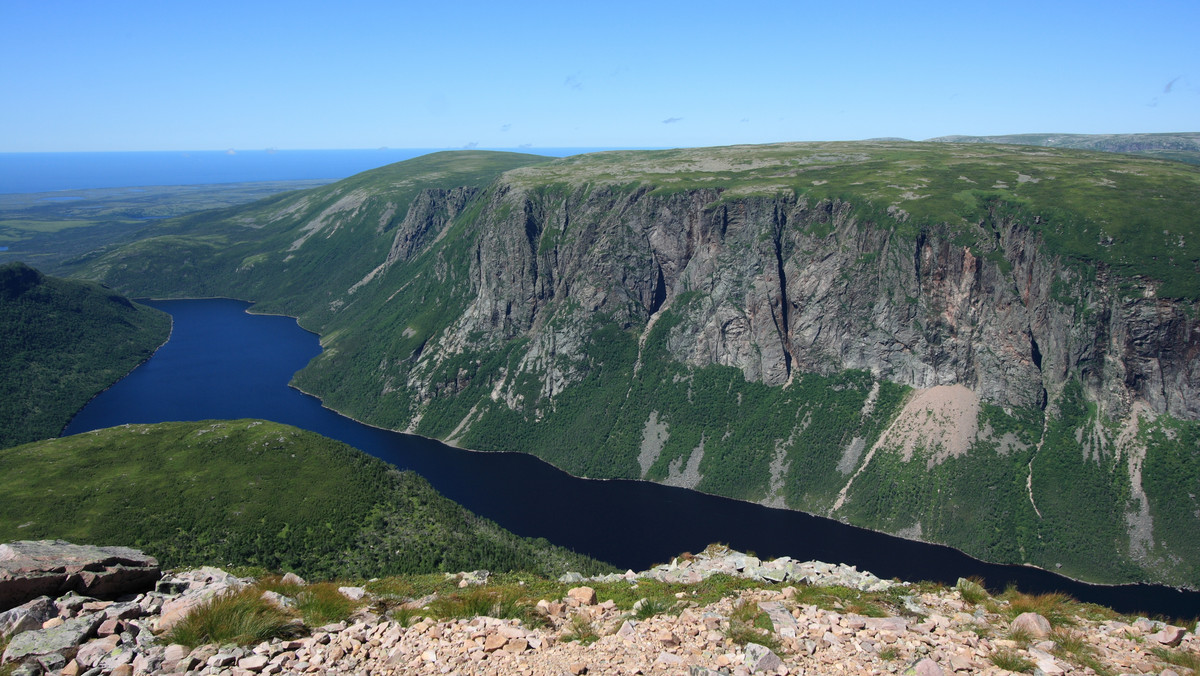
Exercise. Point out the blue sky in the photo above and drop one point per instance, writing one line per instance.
(212, 75)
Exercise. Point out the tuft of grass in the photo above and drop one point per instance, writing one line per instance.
(582, 630)
(1021, 636)
(748, 624)
(241, 617)
(972, 590)
(1058, 608)
(499, 603)
(889, 654)
(1010, 661)
(1179, 658)
(323, 604)
(1072, 645)
(648, 608)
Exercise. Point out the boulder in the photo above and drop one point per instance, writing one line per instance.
(33, 568)
(26, 617)
(584, 596)
(1036, 625)
(63, 640)
(1170, 636)
(761, 658)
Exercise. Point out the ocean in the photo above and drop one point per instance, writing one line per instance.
(48, 172)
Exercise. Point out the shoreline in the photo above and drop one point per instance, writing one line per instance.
(291, 384)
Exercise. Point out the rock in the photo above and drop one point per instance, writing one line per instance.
(669, 659)
(62, 640)
(278, 600)
(292, 578)
(91, 653)
(578, 668)
(585, 596)
(173, 655)
(30, 668)
(254, 662)
(925, 667)
(353, 593)
(761, 658)
(1032, 623)
(27, 616)
(1170, 636)
(33, 568)
(494, 642)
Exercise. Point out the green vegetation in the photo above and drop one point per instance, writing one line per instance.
(1006, 659)
(242, 617)
(61, 343)
(748, 624)
(252, 493)
(972, 591)
(1179, 658)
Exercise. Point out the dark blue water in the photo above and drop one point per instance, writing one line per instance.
(46, 172)
(224, 363)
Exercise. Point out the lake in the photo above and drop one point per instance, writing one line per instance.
(222, 362)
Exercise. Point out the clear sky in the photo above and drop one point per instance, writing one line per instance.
(211, 75)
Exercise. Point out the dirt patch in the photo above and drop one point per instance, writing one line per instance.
(943, 420)
(654, 435)
(686, 476)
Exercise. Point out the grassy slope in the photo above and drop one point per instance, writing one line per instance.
(61, 343)
(252, 493)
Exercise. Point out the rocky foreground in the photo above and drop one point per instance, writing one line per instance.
(925, 631)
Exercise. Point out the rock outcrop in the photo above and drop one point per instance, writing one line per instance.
(770, 630)
(33, 568)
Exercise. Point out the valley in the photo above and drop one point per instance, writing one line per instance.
(758, 321)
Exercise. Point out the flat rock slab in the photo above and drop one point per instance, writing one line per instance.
(64, 639)
(33, 568)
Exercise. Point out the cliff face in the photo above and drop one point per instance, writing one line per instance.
(789, 286)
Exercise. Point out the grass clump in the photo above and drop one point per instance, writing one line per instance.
(1179, 658)
(1058, 608)
(748, 624)
(319, 603)
(972, 590)
(1010, 661)
(242, 617)
(889, 654)
(582, 630)
(1071, 645)
(502, 603)
(648, 608)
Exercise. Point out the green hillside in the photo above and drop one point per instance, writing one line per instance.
(61, 343)
(252, 493)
